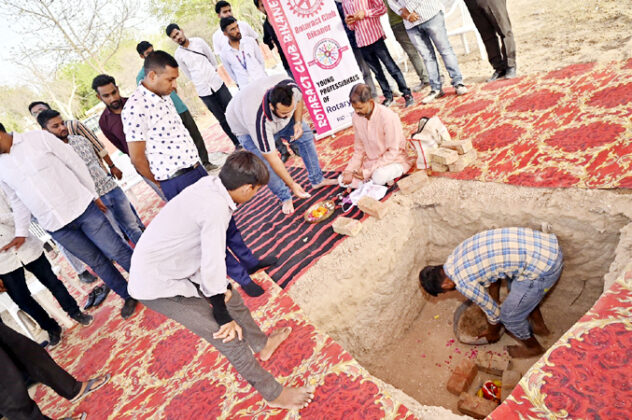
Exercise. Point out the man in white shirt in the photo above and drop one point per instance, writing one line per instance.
(30, 256)
(224, 10)
(197, 61)
(267, 110)
(178, 270)
(45, 177)
(242, 58)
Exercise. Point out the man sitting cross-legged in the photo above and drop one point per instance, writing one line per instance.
(179, 270)
(532, 263)
(379, 150)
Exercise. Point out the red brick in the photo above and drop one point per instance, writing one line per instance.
(493, 363)
(347, 226)
(372, 207)
(474, 406)
(466, 368)
(413, 182)
(462, 377)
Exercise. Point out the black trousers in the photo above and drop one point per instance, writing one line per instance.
(492, 21)
(377, 52)
(19, 355)
(192, 128)
(15, 283)
(217, 103)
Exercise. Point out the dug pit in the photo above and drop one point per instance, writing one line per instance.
(366, 293)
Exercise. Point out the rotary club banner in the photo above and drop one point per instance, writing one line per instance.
(318, 51)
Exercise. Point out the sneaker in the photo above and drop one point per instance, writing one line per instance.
(460, 89)
(54, 337)
(498, 74)
(409, 100)
(210, 166)
(263, 263)
(434, 94)
(129, 307)
(387, 101)
(510, 73)
(100, 293)
(87, 277)
(83, 319)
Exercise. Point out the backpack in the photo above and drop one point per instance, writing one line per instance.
(429, 135)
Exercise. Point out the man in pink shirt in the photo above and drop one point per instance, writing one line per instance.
(363, 17)
(379, 150)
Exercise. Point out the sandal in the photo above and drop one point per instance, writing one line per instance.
(92, 385)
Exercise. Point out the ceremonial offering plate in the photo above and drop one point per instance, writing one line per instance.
(319, 211)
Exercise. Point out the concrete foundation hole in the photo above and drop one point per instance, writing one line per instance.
(366, 295)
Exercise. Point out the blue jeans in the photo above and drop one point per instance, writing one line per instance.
(124, 214)
(91, 238)
(240, 259)
(524, 296)
(423, 36)
(306, 148)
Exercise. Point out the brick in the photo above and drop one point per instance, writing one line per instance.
(474, 406)
(413, 182)
(470, 157)
(462, 377)
(372, 207)
(493, 363)
(461, 147)
(347, 226)
(457, 166)
(438, 167)
(443, 156)
(466, 368)
(509, 382)
(457, 384)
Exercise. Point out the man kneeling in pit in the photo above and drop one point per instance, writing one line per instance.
(379, 149)
(530, 260)
(179, 269)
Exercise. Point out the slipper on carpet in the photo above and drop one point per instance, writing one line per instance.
(93, 385)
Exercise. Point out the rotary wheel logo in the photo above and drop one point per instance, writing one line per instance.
(305, 8)
(327, 54)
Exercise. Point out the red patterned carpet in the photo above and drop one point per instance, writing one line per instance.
(570, 127)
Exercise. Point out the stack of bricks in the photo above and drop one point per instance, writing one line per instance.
(452, 156)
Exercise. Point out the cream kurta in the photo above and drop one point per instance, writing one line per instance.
(379, 141)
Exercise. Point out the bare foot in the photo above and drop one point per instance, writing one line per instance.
(325, 182)
(293, 398)
(287, 207)
(274, 341)
(540, 329)
(522, 352)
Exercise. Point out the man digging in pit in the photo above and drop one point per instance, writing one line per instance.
(530, 260)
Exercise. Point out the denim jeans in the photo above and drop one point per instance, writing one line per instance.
(124, 214)
(524, 296)
(377, 52)
(15, 283)
(308, 153)
(423, 36)
(91, 238)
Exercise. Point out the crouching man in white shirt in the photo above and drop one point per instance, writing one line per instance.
(178, 269)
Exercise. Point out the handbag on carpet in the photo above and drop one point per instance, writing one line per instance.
(429, 135)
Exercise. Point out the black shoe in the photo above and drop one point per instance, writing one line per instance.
(54, 337)
(510, 73)
(100, 293)
(409, 100)
(294, 148)
(129, 307)
(83, 319)
(285, 155)
(263, 263)
(87, 277)
(90, 302)
(387, 101)
(498, 74)
(253, 289)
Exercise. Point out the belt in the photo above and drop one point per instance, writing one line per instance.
(183, 171)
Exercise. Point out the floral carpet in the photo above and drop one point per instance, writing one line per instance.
(570, 127)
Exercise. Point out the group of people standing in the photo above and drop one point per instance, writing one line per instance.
(63, 179)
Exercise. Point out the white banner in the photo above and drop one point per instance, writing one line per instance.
(318, 51)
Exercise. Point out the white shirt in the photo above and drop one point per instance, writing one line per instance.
(246, 64)
(154, 119)
(198, 62)
(220, 41)
(248, 113)
(185, 243)
(44, 176)
(426, 9)
(13, 259)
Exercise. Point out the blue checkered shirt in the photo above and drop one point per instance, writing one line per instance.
(515, 253)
